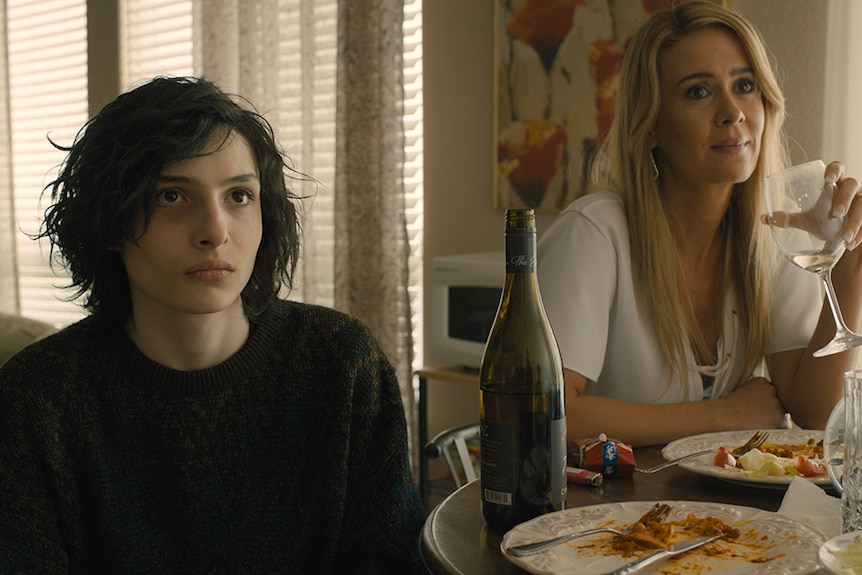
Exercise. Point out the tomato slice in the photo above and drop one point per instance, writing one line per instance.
(723, 457)
(807, 467)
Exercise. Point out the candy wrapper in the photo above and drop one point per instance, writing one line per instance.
(609, 457)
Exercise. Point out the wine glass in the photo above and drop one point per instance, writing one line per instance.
(799, 206)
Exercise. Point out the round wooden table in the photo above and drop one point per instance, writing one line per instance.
(456, 540)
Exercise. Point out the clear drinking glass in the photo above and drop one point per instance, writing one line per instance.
(833, 444)
(799, 206)
(851, 481)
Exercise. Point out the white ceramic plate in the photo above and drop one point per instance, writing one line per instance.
(830, 557)
(769, 543)
(730, 439)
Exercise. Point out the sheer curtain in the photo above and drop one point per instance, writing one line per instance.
(361, 222)
(371, 246)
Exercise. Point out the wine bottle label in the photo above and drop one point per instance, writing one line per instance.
(559, 482)
(497, 441)
(520, 251)
(523, 454)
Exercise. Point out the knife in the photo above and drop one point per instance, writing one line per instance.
(674, 549)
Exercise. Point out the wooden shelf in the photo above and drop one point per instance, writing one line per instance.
(454, 374)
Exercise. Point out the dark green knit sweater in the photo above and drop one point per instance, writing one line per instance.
(290, 457)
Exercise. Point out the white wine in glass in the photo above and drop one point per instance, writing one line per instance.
(799, 211)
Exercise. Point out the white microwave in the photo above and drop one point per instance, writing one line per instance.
(463, 294)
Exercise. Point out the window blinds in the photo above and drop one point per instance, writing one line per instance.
(156, 38)
(47, 47)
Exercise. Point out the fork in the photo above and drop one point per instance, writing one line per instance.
(656, 514)
(756, 440)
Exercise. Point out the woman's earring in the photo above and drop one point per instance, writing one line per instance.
(653, 165)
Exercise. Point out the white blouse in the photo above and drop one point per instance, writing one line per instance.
(585, 275)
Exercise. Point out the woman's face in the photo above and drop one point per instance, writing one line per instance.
(199, 249)
(710, 121)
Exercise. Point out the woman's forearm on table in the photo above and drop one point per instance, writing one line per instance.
(637, 424)
(633, 423)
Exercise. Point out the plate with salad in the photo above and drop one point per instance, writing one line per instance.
(787, 453)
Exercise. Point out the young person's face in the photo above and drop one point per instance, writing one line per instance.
(711, 118)
(199, 250)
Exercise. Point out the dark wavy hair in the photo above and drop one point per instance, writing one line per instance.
(108, 181)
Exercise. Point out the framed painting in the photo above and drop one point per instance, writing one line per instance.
(556, 70)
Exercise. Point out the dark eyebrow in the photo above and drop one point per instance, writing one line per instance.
(708, 75)
(239, 178)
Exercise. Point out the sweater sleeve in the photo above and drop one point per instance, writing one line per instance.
(31, 539)
(383, 514)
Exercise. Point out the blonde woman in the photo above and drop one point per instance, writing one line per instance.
(663, 287)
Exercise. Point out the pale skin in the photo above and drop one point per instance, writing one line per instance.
(188, 269)
(708, 130)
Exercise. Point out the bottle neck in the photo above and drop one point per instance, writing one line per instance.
(520, 251)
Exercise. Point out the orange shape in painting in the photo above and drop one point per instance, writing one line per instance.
(530, 157)
(543, 24)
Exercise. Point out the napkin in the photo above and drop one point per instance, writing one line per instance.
(810, 504)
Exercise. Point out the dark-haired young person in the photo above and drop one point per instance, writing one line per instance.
(194, 422)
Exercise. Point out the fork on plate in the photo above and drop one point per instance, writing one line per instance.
(756, 440)
(656, 514)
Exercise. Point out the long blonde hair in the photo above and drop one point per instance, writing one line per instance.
(624, 165)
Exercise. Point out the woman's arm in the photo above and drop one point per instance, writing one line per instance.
(809, 386)
(753, 405)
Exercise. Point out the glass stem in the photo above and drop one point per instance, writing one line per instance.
(840, 327)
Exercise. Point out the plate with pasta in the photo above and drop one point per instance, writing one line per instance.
(753, 541)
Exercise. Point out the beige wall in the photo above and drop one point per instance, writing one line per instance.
(795, 30)
(458, 93)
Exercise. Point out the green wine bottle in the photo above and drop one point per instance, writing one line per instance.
(523, 422)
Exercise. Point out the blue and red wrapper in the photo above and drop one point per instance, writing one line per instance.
(609, 457)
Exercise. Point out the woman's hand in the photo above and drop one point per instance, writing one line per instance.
(838, 198)
(846, 201)
(848, 271)
(753, 405)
